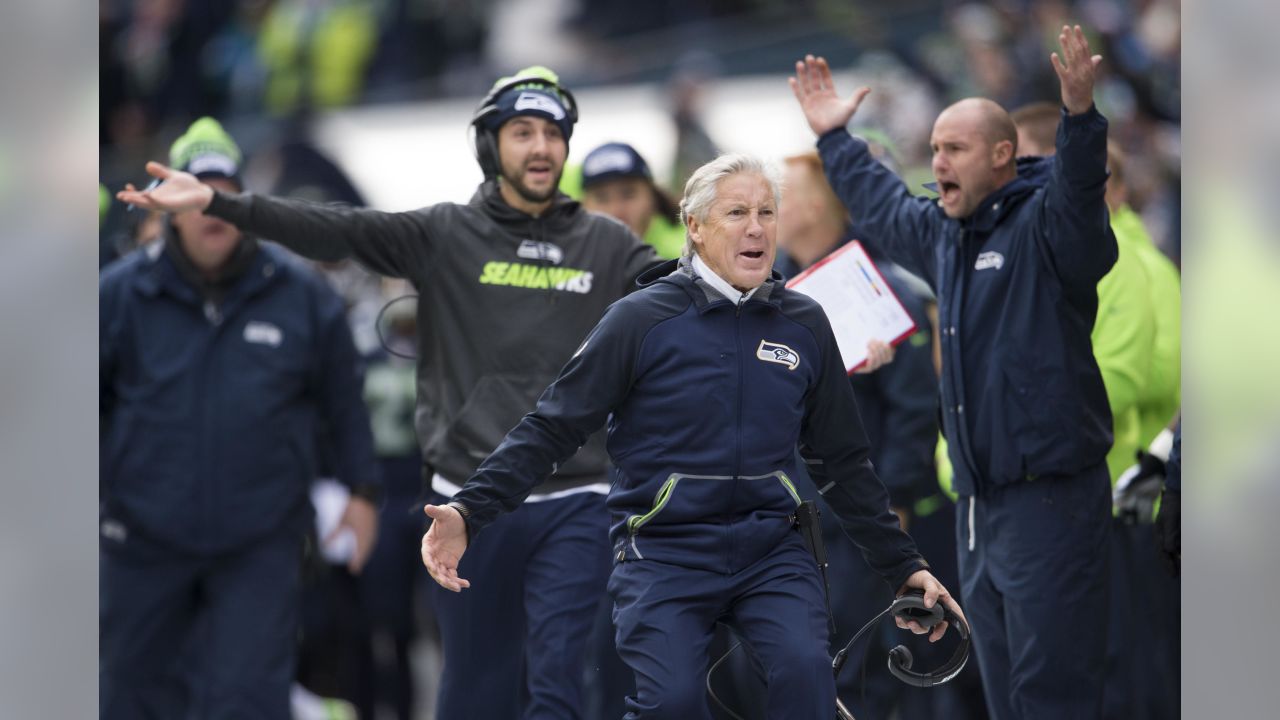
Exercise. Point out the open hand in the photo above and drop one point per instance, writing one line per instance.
(1076, 69)
(443, 545)
(814, 90)
(177, 192)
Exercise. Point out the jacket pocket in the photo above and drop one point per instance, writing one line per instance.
(635, 522)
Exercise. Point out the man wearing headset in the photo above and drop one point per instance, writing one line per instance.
(508, 285)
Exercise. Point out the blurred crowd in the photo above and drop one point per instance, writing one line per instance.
(265, 68)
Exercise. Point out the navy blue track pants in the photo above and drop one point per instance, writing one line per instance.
(665, 617)
(1034, 580)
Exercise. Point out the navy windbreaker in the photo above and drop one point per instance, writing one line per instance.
(209, 413)
(1016, 285)
(705, 401)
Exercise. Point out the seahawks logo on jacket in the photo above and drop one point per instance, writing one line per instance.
(989, 260)
(778, 353)
(540, 250)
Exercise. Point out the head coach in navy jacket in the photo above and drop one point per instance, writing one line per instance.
(1013, 251)
(709, 377)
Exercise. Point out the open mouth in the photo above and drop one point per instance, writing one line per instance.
(947, 189)
(752, 254)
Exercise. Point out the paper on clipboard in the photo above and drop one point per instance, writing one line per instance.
(859, 303)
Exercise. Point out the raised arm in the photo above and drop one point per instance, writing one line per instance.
(900, 225)
(393, 244)
(1075, 228)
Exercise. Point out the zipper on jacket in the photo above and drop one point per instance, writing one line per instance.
(737, 434)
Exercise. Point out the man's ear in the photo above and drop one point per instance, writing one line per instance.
(695, 230)
(1001, 154)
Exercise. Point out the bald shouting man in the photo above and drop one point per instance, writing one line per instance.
(1014, 250)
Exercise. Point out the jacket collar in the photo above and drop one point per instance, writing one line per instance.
(998, 204)
(681, 273)
(162, 274)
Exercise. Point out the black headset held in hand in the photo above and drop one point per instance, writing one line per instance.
(911, 607)
(486, 140)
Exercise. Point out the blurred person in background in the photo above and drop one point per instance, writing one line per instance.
(220, 359)
(1014, 254)
(392, 582)
(508, 285)
(617, 182)
(898, 406)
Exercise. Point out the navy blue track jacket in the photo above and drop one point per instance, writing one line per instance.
(706, 401)
(210, 413)
(1016, 285)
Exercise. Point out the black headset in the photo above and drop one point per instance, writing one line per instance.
(485, 141)
(911, 607)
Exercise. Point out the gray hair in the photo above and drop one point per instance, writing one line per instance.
(701, 190)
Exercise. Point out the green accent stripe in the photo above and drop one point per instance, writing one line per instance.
(786, 483)
(635, 522)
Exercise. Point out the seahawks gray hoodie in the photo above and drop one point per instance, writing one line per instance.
(504, 299)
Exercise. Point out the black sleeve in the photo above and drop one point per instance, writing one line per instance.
(392, 244)
(595, 380)
(834, 447)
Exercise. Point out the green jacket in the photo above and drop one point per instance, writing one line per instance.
(1162, 395)
(1123, 339)
(665, 237)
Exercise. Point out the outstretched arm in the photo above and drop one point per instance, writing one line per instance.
(393, 244)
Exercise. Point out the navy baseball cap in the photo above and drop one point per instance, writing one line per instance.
(537, 97)
(611, 161)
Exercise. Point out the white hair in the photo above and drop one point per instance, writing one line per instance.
(703, 187)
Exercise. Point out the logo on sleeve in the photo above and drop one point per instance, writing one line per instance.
(262, 333)
(777, 353)
(989, 260)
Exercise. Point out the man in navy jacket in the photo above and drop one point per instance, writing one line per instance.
(709, 377)
(220, 359)
(1013, 251)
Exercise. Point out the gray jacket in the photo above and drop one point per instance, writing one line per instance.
(504, 299)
